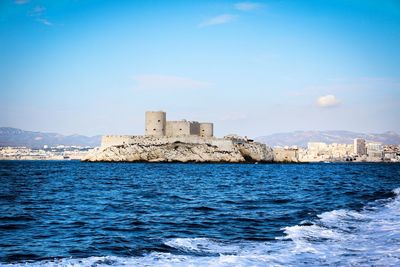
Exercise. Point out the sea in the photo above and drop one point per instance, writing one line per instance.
(71, 213)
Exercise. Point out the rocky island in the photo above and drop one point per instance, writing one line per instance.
(178, 141)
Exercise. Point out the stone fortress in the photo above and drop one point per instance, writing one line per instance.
(157, 125)
(179, 141)
(158, 128)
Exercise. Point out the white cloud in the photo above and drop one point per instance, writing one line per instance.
(167, 82)
(37, 12)
(45, 22)
(247, 6)
(21, 2)
(221, 19)
(327, 101)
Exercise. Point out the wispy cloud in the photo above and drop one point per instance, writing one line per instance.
(167, 82)
(21, 2)
(247, 6)
(37, 11)
(327, 101)
(44, 21)
(221, 19)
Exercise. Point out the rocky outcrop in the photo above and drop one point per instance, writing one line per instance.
(150, 150)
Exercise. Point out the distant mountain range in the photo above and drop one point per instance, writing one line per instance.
(301, 138)
(17, 137)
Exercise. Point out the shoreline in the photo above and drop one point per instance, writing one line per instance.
(194, 162)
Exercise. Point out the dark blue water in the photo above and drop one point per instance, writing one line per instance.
(200, 214)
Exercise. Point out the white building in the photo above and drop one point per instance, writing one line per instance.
(374, 150)
(317, 147)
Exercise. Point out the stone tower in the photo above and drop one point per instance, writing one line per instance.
(206, 129)
(156, 122)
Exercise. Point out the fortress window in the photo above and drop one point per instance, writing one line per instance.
(159, 121)
(154, 129)
(180, 129)
(202, 130)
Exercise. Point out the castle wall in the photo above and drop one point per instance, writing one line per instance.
(206, 129)
(155, 123)
(182, 128)
(194, 128)
(115, 140)
(285, 155)
(178, 128)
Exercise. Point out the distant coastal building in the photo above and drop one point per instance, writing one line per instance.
(374, 150)
(317, 148)
(359, 147)
(359, 151)
(319, 151)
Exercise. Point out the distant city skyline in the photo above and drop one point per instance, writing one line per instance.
(252, 67)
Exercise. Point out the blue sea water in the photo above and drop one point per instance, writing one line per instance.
(105, 214)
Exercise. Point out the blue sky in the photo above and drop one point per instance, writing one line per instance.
(252, 68)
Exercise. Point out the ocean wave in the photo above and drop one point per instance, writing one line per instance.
(370, 237)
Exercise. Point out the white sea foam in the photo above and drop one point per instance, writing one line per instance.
(370, 237)
(205, 245)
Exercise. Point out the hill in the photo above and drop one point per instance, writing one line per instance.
(17, 137)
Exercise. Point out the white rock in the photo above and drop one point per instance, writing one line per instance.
(158, 150)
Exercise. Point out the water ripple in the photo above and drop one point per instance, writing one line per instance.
(72, 213)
